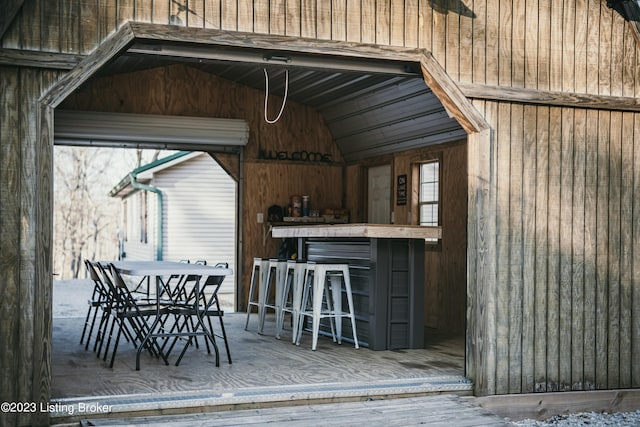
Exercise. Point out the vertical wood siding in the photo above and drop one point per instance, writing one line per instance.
(25, 247)
(10, 164)
(577, 45)
(566, 244)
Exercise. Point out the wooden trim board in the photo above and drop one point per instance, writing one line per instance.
(541, 406)
(549, 98)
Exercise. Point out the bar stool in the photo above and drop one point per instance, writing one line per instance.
(275, 274)
(259, 277)
(331, 296)
(292, 296)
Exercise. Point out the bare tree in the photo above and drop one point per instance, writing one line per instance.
(140, 156)
(85, 220)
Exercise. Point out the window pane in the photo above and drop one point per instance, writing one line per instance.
(429, 214)
(429, 172)
(429, 195)
(429, 192)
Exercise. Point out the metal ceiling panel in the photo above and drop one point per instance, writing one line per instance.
(398, 92)
(388, 148)
(368, 113)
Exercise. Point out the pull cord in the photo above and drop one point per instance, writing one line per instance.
(266, 96)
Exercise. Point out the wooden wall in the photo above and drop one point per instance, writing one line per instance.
(566, 242)
(445, 265)
(572, 45)
(26, 187)
(576, 47)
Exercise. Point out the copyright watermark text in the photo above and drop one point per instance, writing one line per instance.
(54, 408)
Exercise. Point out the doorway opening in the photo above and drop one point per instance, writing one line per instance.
(362, 79)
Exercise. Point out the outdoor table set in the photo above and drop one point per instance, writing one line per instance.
(178, 309)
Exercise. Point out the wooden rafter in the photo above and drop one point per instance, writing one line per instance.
(454, 101)
(108, 50)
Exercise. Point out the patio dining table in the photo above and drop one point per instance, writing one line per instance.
(162, 270)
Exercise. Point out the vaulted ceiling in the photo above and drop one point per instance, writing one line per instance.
(371, 107)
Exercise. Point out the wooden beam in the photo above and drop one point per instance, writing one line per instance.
(8, 11)
(229, 162)
(549, 98)
(455, 102)
(189, 35)
(541, 406)
(108, 50)
(38, 59)
(481, 281)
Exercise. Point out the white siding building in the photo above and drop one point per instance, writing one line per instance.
(197, 204)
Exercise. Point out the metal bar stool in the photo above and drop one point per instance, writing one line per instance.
(276, 271)
(259, 278)
(326, 300)
(291, 296)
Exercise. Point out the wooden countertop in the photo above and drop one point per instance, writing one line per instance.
(384, 231)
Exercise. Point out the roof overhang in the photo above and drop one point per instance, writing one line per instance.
(144, 174)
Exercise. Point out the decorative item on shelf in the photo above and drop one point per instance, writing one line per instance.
(296, 206)
(336, 216)
(304, 219)
(275, 213)
(305, 205)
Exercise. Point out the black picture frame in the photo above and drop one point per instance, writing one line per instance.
(401, 190)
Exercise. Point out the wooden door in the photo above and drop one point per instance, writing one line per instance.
(379, 195)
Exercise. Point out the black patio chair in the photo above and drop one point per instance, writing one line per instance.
(204, 305)
(130, 316)
(99, 302)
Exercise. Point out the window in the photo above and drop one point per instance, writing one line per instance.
(143, 217)
(429, 195)
(125, 223)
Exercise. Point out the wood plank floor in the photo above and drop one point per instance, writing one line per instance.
(433, 411)
(258, 361)
(265, 372)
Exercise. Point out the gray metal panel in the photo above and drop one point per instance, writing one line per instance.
(388, 147)
(391, 92)
(398, 117)
(357, 253)
(368, 113)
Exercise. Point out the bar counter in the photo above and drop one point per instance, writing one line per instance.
(386, 265)
(358, 230)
